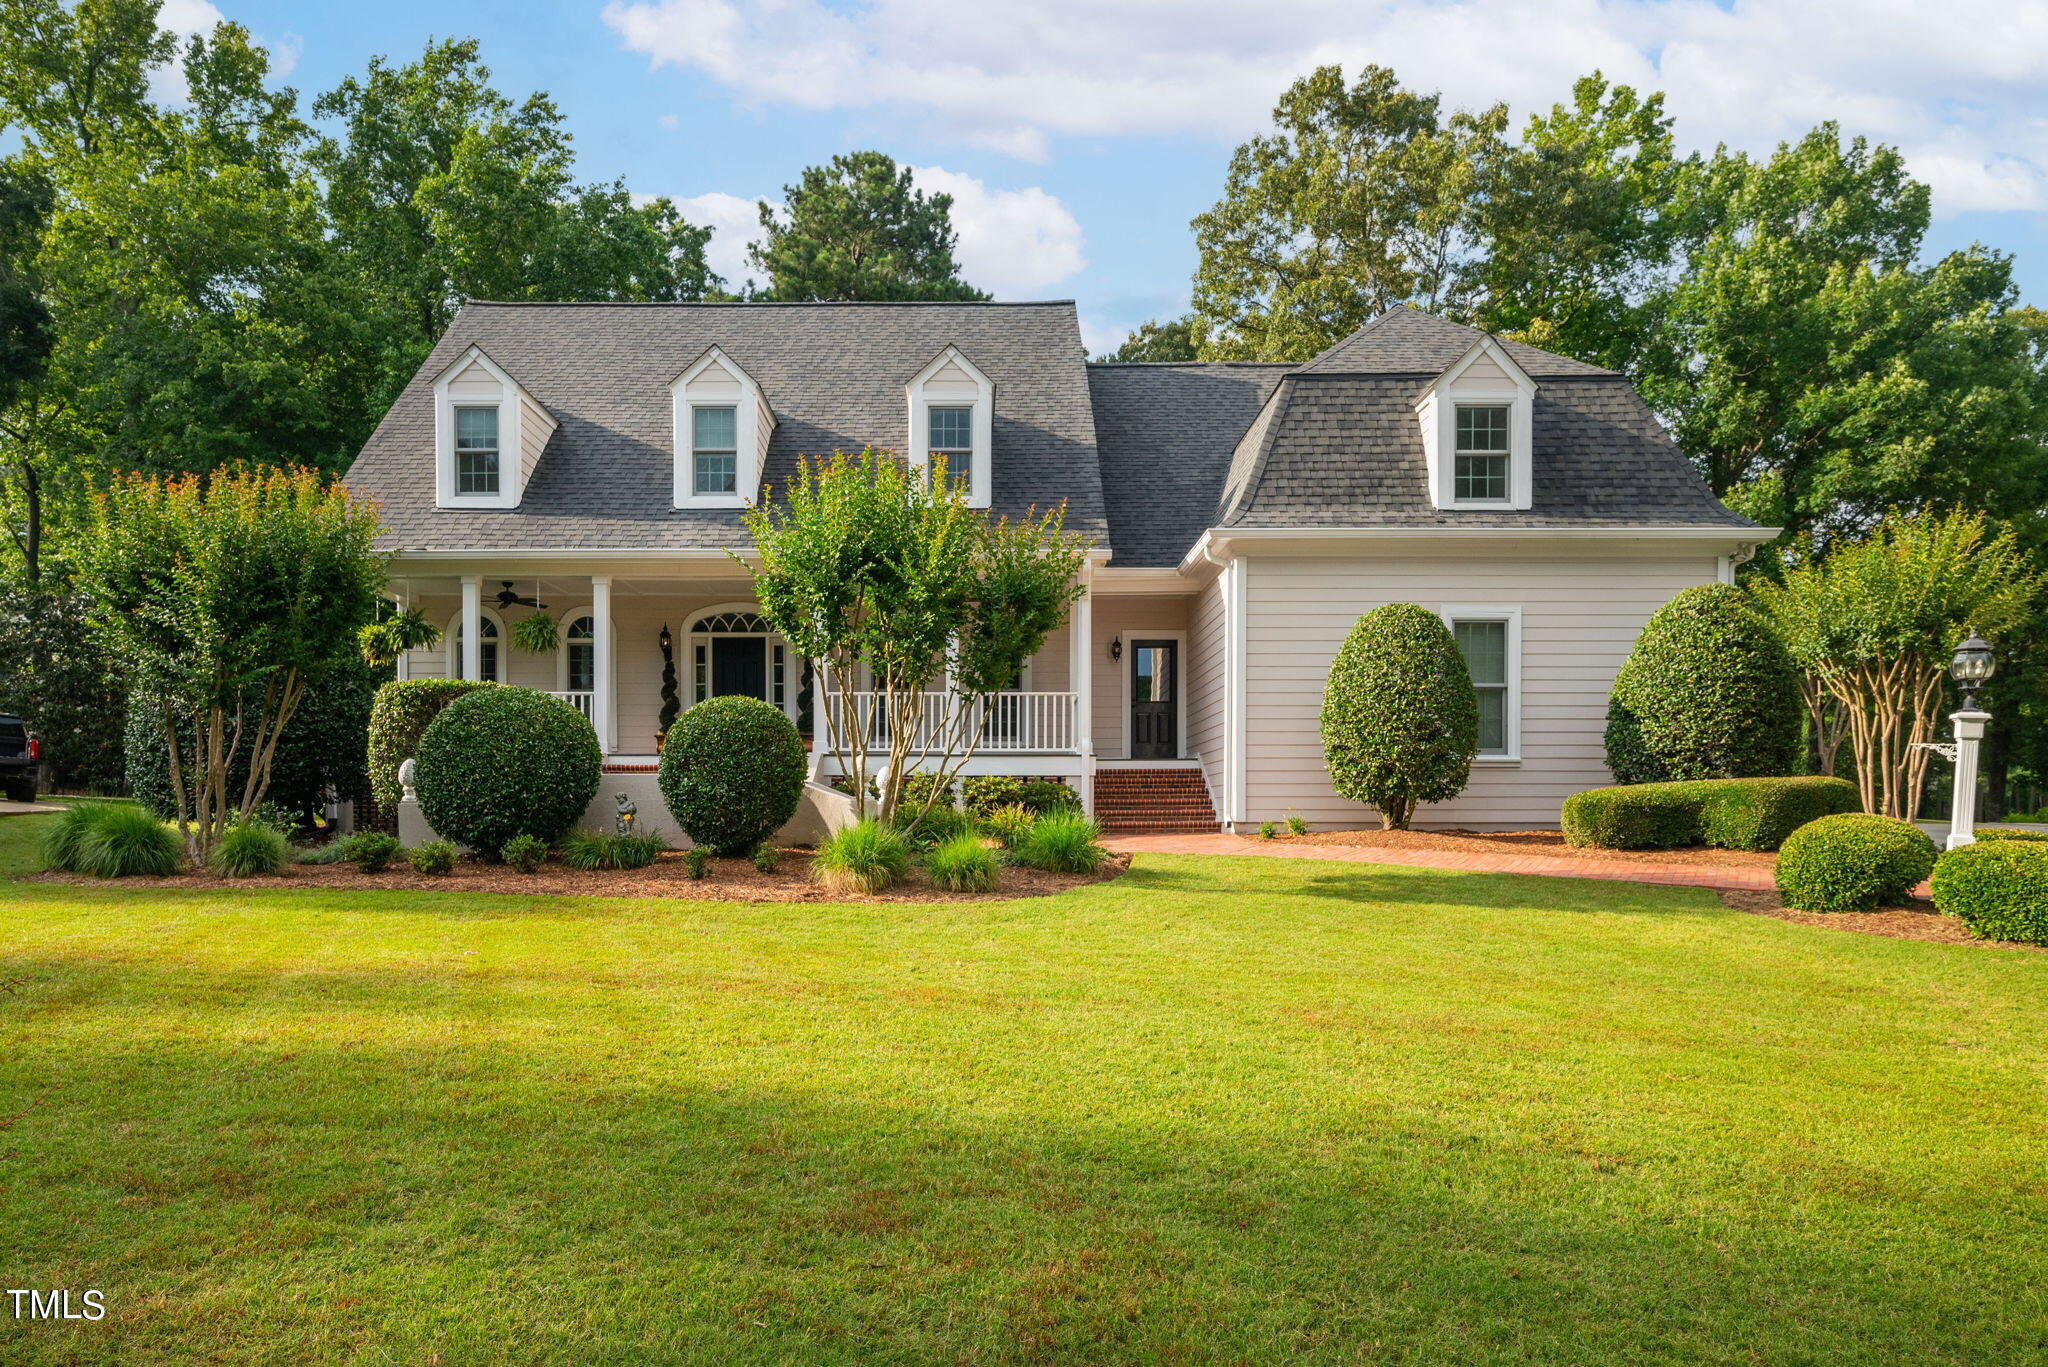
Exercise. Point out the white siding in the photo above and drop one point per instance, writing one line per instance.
(535, 427)
(1580, 615)
(1131, 617)
(949, 381)
(1482, 374)
(1207, 675)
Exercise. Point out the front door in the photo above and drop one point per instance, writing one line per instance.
(739, 664)
(1155, 700)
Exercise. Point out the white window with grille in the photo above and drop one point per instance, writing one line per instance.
(1490, 639)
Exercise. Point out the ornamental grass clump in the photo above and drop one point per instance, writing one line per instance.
(962, 864)
(112, 840)
(1852, 862)
(1064, 842)
(868, 856)
(249, 850)
(933, 826)
(1998, 888)
(1009, 826)
(587, 851)
(1400, 718)
(505, 762)
(732, 772)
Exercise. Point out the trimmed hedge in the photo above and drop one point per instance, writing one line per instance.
(503, 762)
(732, 772)
(399, 716)
(1852, 862)
(1729, 813)
(1998, 888)
(1400, 719)
(1708, 692)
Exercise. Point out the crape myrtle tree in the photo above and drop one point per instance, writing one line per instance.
(866, 563)
(228, 598)
(1872, 627)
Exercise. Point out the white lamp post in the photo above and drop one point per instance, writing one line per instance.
(1972, 665)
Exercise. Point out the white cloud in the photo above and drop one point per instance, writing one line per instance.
(186, 18)
(1961, 86)
(1014, 243)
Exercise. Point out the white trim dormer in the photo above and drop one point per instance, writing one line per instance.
(952, 382)
(1484, 378)
(517, 433)
(716, 381)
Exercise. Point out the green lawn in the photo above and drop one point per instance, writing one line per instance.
(1218, 1111)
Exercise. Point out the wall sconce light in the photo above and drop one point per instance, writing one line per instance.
(666, 639)
(1116, 647)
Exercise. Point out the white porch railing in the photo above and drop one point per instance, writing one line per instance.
(1033, 723)
(582, 702)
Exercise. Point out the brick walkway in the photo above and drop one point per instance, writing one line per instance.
(1543, 866)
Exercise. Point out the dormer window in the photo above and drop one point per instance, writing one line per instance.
(714, 449)
(488, 434)
(1481, 475)
(476, 448)
(1477, 422)
(952, 415)
(722, 425)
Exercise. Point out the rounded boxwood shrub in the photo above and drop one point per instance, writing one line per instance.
(1400, 719)
(1708, 692)
(1852, 862)
(1998, 888)
(732, 772)
(399, 715)
(503, 762)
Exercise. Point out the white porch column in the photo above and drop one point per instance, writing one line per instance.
(1962, 805)
(821, 718)
(473, 627)
(401, 668)
(601, 659)
(1082, 655)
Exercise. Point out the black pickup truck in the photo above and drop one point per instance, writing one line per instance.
(20, 755)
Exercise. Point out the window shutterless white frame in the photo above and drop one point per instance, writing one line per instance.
(1490, 445)
(1452, 614)
(585, 613)
(1437, 412)
(447, 490)
(470, 449)
(979, 466)
(503, 642)
(752, 421)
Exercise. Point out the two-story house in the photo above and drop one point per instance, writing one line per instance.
(596, 458)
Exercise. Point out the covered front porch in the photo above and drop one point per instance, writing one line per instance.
(629, 633)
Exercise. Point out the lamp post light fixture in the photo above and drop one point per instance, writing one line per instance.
(1974, 662)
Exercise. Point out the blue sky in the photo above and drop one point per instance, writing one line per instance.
(1080, 137)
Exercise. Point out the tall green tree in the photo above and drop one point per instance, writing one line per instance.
(1364, 196)
(859, 229)
(441, 189)
(1176, 339)
(1815, 372)
(1576, 233)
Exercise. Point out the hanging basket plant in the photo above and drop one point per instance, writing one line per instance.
(536, 635)
(406, 629)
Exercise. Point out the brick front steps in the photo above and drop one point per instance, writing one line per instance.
(1167, 800)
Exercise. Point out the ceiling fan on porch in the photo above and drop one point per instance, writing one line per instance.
(508, 597)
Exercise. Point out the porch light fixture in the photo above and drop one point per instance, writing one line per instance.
(1972, 665)
(1116, 647)
(667, 640)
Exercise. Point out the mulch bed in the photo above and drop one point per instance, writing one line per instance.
(1525, 843)
(1916, 920)
(727, 880)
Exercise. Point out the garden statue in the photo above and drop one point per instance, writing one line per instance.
(628, 810)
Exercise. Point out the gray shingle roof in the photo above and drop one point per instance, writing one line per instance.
(834, 372)
(1345, 450)
(1406, 341)
(1165, 431)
